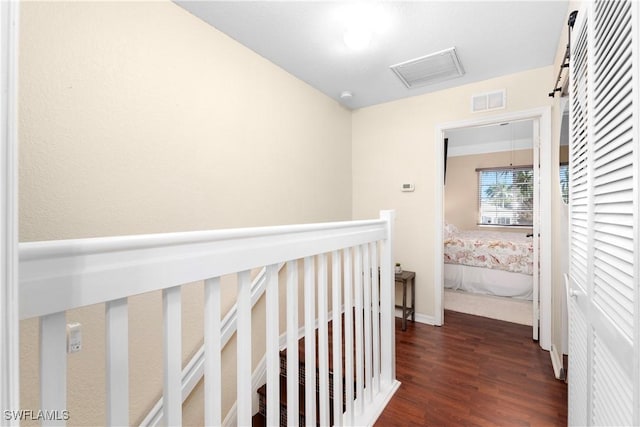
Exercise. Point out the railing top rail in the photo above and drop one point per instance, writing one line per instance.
(60, 275)
(93, 245)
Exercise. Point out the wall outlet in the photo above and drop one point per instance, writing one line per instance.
(74, 337)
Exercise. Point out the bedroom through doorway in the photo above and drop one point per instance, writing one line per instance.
(488, 217)
(492, 261)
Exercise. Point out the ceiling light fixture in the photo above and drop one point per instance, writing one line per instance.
(346, 94)
(357, 37)
(362, 21)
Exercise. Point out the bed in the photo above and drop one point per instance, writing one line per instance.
(489, 262)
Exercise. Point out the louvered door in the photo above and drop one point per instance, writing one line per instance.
(604, 373)
(579, 192)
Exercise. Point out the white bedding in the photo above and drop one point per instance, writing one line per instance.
(506, 251)
(488, 281)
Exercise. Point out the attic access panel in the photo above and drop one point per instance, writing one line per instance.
(433, 68)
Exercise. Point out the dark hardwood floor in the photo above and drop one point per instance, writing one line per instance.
(473, 371)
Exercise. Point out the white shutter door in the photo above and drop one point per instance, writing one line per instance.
(578, 223)
(603, 370)
(614, 225)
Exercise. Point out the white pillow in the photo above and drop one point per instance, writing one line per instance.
(449, 230)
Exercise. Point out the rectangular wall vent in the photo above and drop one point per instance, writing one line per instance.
(488, 101)
(433, 68)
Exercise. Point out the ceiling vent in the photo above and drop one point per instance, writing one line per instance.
(488, 101)
(434, 68)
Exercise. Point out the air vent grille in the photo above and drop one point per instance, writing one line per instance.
(429, 69)
(488, 101)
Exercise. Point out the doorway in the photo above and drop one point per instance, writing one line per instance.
(541, 124)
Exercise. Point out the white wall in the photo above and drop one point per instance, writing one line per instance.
(394, 143)
(140, 118)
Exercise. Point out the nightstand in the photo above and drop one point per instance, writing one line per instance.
(407, 278)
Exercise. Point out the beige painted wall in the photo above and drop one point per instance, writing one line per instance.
(140, 118)
(461, 190)
(395, 143)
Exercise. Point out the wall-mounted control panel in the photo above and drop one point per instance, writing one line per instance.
(408, 187)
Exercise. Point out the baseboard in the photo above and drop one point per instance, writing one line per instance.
(556, 361)
(420, 318)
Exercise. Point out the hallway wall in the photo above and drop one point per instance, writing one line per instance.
(394, 143)
(137, 117)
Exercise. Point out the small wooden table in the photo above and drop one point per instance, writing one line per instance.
(404, 278)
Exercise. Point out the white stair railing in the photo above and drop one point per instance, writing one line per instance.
(61, 275)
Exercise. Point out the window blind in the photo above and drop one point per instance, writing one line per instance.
(505, 196)
(564, 181)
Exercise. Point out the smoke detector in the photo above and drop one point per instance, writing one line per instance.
(433, 68)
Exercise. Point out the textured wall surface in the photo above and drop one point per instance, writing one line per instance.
(140, 118)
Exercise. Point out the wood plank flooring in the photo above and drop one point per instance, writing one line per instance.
(473, 371)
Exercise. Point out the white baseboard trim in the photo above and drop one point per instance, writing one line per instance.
(420, 318)
(556, 361)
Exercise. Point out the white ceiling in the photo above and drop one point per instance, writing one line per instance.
(490, 139)
(305, 38)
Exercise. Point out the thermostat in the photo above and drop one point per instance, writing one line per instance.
(408, 187)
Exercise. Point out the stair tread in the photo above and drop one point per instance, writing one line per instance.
(260, 419)
(262, 392)
(301, 348)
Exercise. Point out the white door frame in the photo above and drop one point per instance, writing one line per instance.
(543, 116)
(9, 321)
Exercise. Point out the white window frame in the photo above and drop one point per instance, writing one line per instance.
(511, 215)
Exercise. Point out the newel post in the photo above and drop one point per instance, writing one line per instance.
(9, 315)
(387, 303)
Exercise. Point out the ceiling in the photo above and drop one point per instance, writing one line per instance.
(517, 135)
(306, 38)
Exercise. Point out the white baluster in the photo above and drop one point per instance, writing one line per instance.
(309, 342)
(348, 336)
(292, 343)
(336, 282)
(375, 302)
(244, 350)
(172, 349)
(117, 360)
(53, 366)
(323, 341)
(387, 304)
(359, 330)
(273, 347)
(368, 374)
(212, 354)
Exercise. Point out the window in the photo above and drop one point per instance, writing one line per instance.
(505, 196)
(564, 181)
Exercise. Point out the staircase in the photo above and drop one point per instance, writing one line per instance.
(259, 419)
(320, 260)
